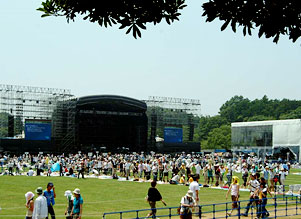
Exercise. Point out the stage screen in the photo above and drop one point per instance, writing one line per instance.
(37, 130)
(173, 135)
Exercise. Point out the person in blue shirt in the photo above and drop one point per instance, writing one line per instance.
(78, 201)
(50, 195)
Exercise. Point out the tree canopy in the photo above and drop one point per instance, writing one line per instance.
(130, 14)
(272, 17)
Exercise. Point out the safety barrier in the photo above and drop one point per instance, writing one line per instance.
(274, 208)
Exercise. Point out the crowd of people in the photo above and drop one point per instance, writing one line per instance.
(177, 169)
(260, 176)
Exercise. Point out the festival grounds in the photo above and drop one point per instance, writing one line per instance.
(103, 195)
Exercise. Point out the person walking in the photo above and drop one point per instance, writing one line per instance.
(262, 194)
(70, 198)
(29, 204)
(195, 188)
(77, 209)
(254, 185)
(153, 195)
(245, 175)
(40, 210)
(50, 195)
(234, 188)
(187, 203)
(210, 175)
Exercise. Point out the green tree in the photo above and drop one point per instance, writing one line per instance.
(294, 114)
(130, 14)
(259, 118)
(206, 125)
(272, 17)
(235, 109)
(220, 138)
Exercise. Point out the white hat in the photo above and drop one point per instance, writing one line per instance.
(28, 196)
(68, 193)
(76, 191)
(189, 193)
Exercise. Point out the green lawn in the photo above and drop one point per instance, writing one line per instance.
(99, 195)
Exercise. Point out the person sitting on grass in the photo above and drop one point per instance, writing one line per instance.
(234, 188)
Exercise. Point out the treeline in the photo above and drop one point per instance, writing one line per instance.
(215, 131)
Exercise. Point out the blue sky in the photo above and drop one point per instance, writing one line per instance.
(188, 59)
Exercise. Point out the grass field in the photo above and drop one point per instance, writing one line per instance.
(100, 195)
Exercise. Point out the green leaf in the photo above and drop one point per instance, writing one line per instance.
(45, 15)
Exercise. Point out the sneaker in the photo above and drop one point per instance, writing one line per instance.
(245, 215)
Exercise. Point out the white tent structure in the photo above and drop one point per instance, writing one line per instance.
(264, 136)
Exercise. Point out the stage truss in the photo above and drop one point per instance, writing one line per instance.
(20, 103)
(172, 112)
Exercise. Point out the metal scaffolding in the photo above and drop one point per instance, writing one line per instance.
(21, 103)
(175, 112)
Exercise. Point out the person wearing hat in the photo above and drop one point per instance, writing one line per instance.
(266, 173)
(254, 186)
(69, 196)
(77, 209)
(50, 195)
(40, 210)
(29, 204)
(187, 203)
(271, 177)
(245, 175)
(282, 175)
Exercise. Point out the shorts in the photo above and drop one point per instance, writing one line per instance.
(234, 201)
(165, 174)
(75, 216)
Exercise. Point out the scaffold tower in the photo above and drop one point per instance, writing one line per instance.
(21, 103)
(168, 111)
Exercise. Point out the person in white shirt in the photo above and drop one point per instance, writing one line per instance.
(254, 186)
(40, 210)
(30, 172)
(195, 188)
(234, 188)
(198, 169)
(165, 171)
(175, 179)
(187, 203)
(140, 169)
(155, 171)
(127, 169)
(282, 174)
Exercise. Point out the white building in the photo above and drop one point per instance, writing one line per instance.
(264, 136)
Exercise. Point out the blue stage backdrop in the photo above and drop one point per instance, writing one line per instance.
(173, 135)
(37, 130)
